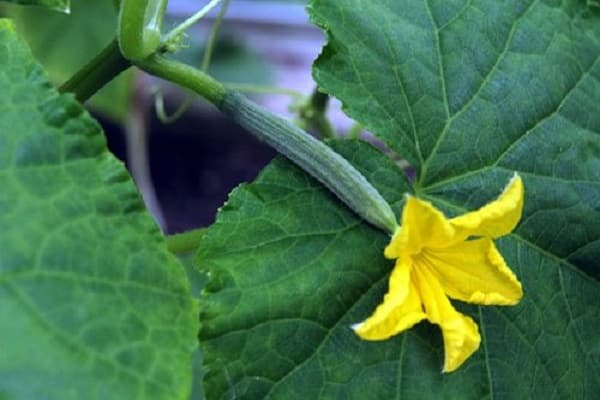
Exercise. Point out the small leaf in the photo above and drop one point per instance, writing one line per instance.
(92, 305)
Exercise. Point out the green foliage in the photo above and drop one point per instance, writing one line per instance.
(65, 43)
(60, 5)
(92, 305)
(468, 92)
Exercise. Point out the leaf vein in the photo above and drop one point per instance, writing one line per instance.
(327, 336)
(458, 15)
(484, 82)
(554, 112)
(32, 310)
(486, 353)
(440, 58)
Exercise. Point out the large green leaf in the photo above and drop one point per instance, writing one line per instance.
(92, 305)
(65, 43)
(60, 5)
(468, 91)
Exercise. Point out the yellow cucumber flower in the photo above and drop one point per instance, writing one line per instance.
(437, 258)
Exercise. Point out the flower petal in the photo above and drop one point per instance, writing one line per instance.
(400, 309)
(422, 225)
(473, 271)
(460, 333)
(496, 218)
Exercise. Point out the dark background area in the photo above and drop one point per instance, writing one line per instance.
(195, 163)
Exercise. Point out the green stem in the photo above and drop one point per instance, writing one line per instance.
(259, 89)
(186, 76)
(98, 72)
(312, 113)
(212, 37)
(185, 242)
(355, 131)
(159, 104)
(185, 25)
(161, 113)
(319, 102)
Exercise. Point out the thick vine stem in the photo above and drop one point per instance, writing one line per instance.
(140, 24)
(97, 73)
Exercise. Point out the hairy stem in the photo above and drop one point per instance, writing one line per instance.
(186, 76)
(260, 89)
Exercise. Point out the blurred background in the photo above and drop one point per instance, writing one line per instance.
(184, 155)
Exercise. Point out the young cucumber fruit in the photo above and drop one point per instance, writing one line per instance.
(313, 156)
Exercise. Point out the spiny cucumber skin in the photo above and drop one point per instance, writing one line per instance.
(313, 156)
